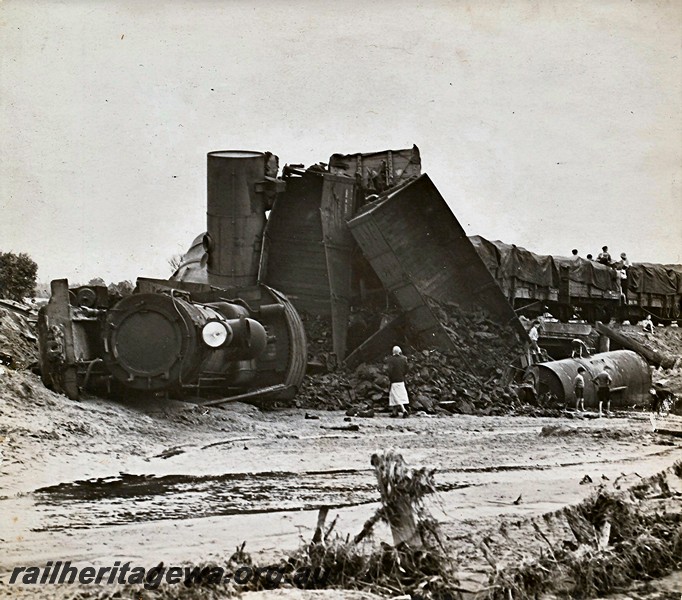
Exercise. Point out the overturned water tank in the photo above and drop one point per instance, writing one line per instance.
(629, 371)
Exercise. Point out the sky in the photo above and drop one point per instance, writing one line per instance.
(549, 124)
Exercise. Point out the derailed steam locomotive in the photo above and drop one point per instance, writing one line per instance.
(229, 336)
(166, 338)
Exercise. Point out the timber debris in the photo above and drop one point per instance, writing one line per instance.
(613, 539)
(416, 564)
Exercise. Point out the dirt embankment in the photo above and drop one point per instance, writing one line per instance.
(45, 438)
(666, 340)
(18, 347)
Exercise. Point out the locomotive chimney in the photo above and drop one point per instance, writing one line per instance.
(236, 205)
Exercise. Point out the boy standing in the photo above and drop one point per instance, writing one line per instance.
(579, 389)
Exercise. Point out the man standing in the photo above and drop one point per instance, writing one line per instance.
(603, 382)
(534, 335)
(397, 395)
(648, 324)
(622, 268)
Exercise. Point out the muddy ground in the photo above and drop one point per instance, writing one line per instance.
(96, 481)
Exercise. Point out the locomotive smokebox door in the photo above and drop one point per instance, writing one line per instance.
(150, 342)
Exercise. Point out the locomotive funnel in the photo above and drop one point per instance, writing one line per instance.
(236, 208)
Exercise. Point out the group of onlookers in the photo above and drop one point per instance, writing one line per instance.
(621, 266)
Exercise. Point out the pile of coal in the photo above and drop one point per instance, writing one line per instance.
(318, 331)
(473, 379)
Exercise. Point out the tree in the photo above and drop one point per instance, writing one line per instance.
(17, 276)
(121, 289)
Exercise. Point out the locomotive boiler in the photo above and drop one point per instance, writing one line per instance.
(179, 339)
(158, 341)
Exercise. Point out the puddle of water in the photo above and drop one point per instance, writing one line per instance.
(130, 498)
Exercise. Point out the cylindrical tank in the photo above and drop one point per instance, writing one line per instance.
(629, 371)
(161, 341)
(235, 216)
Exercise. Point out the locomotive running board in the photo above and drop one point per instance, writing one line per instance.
(259, 394)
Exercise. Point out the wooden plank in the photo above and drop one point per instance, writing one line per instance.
(259, 394)
(651, 356)
(377, 344)
(673, 432)
(15, 307)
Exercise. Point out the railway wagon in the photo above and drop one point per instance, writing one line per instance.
(573, 286)
(654, 289)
